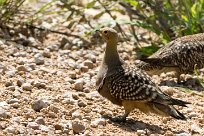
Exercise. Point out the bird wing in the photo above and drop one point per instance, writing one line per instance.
(128, 83)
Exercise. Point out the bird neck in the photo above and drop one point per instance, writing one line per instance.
(111, 56)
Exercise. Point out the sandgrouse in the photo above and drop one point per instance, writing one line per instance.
(180, 55)
(131, 87)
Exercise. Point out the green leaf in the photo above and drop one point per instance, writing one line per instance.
(132, 2)
(193, 10)
(91, 4)
(97, 16)
(184, 18)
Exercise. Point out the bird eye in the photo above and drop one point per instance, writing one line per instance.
(105, 32)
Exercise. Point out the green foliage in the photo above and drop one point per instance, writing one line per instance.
(9, 8)
(169, 19)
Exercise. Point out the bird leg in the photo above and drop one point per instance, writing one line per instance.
(120, 118)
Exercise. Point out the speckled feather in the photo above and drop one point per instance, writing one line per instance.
(183, 53)
(131, 83)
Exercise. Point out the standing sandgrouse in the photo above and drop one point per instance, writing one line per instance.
(180, 55)
(131, 87)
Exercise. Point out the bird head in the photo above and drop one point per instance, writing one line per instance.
(109, 34)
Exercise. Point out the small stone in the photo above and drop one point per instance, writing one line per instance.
(39, 85)
(15, 105)
(20, 82)
(39, 59)
(84, 69)
(67, 46)
(20, 54)
(58, 127)
(9, 83)
(72, 74)
(192, 114)
(12, 88)
(169, 133)
(27, 86)
(11, 129)
(79, 85)
(40, 121)
(54, 108)
(75, 96)
(46, 53)
(44, 128)
(14, 100)
(37, 105)
(196, 129)
(33, 125)
(22, 68)
(81, 103)
(3, 113)
(3, 104)
(78, 127)
(184, 134)
(76, 114)
(89, 64)
(140, 132)
(53, 47)
(16, 94)
(98, 122)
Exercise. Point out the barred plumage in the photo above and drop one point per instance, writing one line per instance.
(180, 55)
(131, 87)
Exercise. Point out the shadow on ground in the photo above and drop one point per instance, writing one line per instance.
(191, 83)
(132, 125)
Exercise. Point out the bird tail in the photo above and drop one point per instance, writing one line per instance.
(167, 110)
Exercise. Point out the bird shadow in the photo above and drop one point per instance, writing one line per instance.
(131, 125)
(191, 83)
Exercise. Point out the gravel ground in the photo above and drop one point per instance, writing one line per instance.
(49, 90)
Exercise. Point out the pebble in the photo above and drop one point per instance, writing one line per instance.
(89, 64)
(22, 68)
(84, 69)
(140, 132)
(81, 103)
(78, 127)
(8, 83)
(39, 84)
(16, 93)
(72, 74)
(12, 129)
(75, 96)
(98, 122)
(12, 88)
(37, 105)
(58, 126)
(39, 59)
(46, 53)
(76, 114)
(196, 129)
(184, 134)
(33, 125)
(40, 121)
(53, 47)
(27, 86)
(67, 46)
(14, 100)
(3, 104)
(54, 108)
(44, 128)
(3, 113)
(78, 85)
